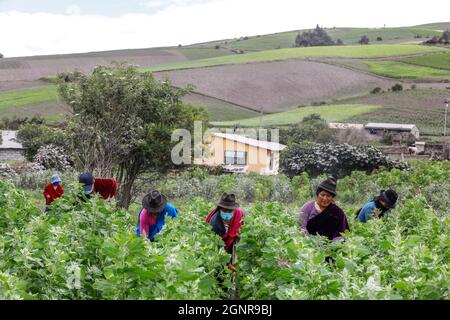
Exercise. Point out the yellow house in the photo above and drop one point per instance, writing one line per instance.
(237, 153)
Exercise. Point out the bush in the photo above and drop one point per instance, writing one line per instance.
(376, 90)
(336, 159)
(316, 37)
(364, 40)
(53, 157)
(379, 39)
(397, 87)
(34, 136)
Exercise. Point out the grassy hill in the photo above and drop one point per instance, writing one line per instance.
(391, 57)
(355, 51)
(329, 113)
(347, 35)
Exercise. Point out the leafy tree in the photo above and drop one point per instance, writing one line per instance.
(364, 40)
(34, 136)
(316, 37)
(336, 159)
(1, 55)
(312, 128)
(123, 124)
(397, 87)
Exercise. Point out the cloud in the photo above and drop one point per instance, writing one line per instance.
(193, 21)
(73, 10)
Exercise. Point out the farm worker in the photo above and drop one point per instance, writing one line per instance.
(53, 190)
(151, 217)
(322, 216)
(378, 206)
(226, 221)
(107, 188)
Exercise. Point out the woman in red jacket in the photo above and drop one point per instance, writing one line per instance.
(53, 191)
(226, 221)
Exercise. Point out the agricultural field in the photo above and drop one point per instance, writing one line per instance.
(438, 61)
(351, 51)
(401, 70)
(90, 250)
(219, 109)
(18, 98)
(276, 86)
(423, 107)
(335, 113)
(347, 35)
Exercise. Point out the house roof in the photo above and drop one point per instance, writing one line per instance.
(274, 146)
(9, 140)
(391, 126)
(337, 125)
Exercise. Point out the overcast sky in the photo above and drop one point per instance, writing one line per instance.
(63, 26)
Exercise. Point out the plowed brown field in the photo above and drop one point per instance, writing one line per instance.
(276, 86)
(15, 72)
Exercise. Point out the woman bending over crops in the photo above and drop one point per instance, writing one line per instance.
(378, 206)
(151, 217)
(322, 216)
(226, 221)
(107, 188)
(53, 190)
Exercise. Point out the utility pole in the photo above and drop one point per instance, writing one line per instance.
(445, 116)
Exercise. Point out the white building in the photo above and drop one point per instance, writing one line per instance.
(10, 148)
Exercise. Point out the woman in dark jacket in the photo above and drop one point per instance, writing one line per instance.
(322, 216)
(378, 206)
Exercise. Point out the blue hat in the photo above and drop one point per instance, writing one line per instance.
(55, 178)
(87, 180)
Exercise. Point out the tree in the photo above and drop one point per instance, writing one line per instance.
(339, 42)
(336, 159)
(364, 40)
(1, 56)
(312, 128)
(123, 124)
(316, 37)
(379, 39)
(33, 136)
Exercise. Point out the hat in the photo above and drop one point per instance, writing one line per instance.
(390, 197)
(228, 201)
(55, 178)
(328, 185)
(87, 180)
(154, 201)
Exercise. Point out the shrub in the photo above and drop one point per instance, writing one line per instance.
(53, 157)
(397, 87)
(376, 90)
(364, 40)
(337, 159)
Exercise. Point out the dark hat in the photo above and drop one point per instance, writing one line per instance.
(154, 201)
(228, 201)
(328, 185)
(390, 197)
(87, 180)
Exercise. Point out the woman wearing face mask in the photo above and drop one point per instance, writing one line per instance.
(321, 216)
(226, 221)
(53, 191)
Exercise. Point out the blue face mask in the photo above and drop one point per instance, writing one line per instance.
(226, 216)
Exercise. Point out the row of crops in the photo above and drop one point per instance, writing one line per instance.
(90, 250)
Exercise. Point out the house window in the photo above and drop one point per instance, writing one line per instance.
(236, 157)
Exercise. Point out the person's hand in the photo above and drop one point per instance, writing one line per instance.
(231, 267)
